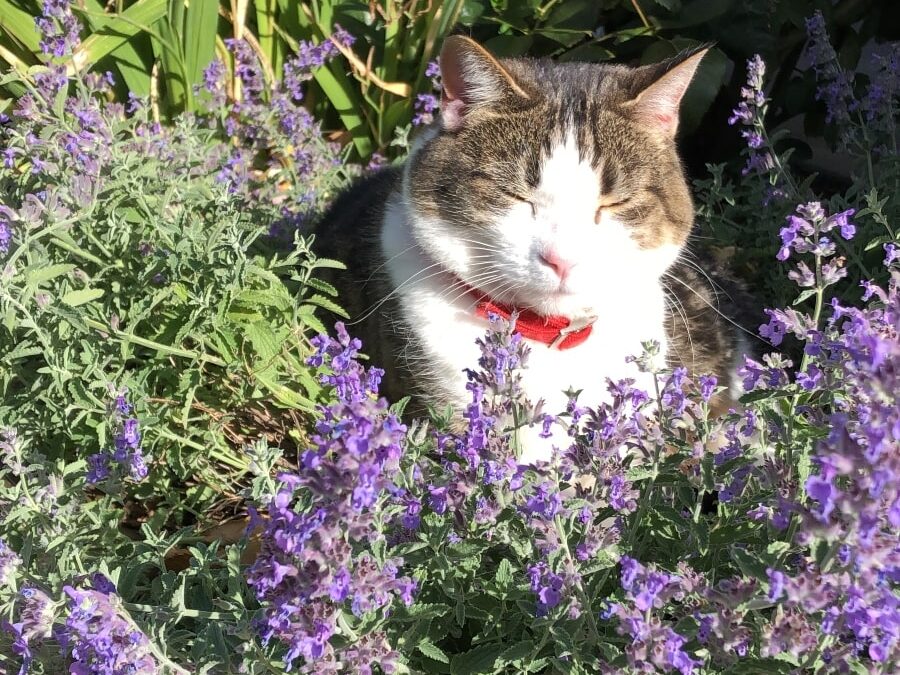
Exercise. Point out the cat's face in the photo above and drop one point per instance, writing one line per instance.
(552, 186)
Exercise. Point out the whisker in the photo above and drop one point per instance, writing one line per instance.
(715, 309)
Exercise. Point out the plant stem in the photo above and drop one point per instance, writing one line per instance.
(579, 590)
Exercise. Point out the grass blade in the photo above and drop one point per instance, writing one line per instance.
(200, 26)
(19, 25)
(136, 19)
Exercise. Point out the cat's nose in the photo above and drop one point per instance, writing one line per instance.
(559, 265)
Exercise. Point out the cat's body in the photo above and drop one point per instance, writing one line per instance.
(539, 190)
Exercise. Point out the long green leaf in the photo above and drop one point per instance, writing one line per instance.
(134, 64)
(265, 31)
(200, 24)
(168, 48)
(136, 19)
(19, 25)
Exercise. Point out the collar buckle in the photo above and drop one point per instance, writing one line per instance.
(576, 326)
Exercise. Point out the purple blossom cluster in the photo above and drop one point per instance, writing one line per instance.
(806, 233)
(884, 87)
(99, 636)
(750, 113)
(547, 586)
(426, 105)
(64, 156)
(294, 148)
(126, 458)
(9, 563)
(835, 86)
(94, 632)
(36, 617)
(58, 27)
(653, 643)
(853, 500)
(315, 561)
(7, 218)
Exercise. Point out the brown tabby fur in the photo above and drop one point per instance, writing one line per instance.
(466, 175)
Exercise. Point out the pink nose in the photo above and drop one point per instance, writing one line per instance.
(559, 265)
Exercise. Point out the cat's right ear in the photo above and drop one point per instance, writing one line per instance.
(471, 78)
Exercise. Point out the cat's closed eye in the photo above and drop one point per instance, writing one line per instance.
(610, 203)
(520, 198)
(506, 192)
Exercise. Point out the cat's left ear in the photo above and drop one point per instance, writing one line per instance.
(660, 88)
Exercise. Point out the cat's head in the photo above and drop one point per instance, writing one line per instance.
(550, 185)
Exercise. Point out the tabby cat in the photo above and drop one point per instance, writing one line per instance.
(551, 189)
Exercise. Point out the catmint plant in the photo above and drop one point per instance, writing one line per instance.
(190, 482)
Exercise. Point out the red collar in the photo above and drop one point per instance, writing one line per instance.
(554, 331)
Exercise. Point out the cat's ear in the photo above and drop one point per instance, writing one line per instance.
(472, 78)
(659, 88)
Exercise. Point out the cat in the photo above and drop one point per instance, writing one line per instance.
(554, 189)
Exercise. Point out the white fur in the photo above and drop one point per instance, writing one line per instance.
(610, 278)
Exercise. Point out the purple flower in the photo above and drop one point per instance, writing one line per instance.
(547, 585)
(101, 638)
(58, 27)
(834, 85)
(842, 221)
(98, 467)
(823, 491)
(127, 457)
(214, 82)
(751, 112)
(425, 106)
(247, 69)
(9, 563)
(775, 329)
(5, 228)
(707, 387)
(776, 584)
(810, 379)
(314, 556)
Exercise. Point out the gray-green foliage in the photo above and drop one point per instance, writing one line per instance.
(141, 258)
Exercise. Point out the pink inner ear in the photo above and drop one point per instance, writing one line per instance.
(452, 110)
(665, 119)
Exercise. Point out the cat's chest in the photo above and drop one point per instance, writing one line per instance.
(440, 313)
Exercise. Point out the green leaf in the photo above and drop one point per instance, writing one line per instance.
(200, 24)
(749, 564)
(466, 549)
(805, 295)
(481, 659)
(34, 277)
(504, 575)
(326, 303)
(19, 25)
(81, 296)
(282, 393)
(423, 610)
(263, 339)
(760, 667)
(432, 651)
(274, 298)
(322, 286)
(134, 65)
(136, 19)
(22, 352)
(518, 651)
(877, 241)
(329, 263)
(398, 407)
